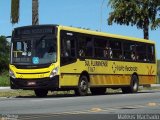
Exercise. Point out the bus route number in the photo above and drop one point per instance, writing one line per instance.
(91, 69)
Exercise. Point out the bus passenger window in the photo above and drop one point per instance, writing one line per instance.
(141, 52)
(68, 49)
(108, 51)
(85, 46)
(81, 53)
(100, 48)
(133, 56)
(115, 49)
(130, 51)
(89, 47)
(150, 53)
(81, 46)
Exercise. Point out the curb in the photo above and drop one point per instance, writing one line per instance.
(155, 85)
(5, 88)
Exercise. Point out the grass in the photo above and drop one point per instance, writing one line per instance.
(4, 79)
(158, 79)
(16, 93)
(30, 93)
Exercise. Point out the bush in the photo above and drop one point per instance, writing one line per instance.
(158, 70)
(4, 54)
(4, 79)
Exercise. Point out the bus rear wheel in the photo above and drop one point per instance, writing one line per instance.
(133, 88)
(98, 91)
(82, 88)
(41, 92)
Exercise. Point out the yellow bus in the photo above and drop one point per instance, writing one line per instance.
(53, 57)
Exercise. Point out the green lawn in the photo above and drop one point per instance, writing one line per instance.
(158, 79)
(4, 79)
(16, 93)
(30, 93)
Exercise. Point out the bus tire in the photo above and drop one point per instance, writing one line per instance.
(82, 88)
(41, 92)
(98, 91)
(133, 88)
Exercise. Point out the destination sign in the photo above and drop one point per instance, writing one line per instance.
(39, 30)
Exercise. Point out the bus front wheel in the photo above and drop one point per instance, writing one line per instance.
(41, 92)
(82, 88)
(133, 88)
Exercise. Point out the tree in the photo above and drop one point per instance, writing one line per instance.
(35, 15)
(142, 13)
(158, 70)
(15, 12)
(4, 53)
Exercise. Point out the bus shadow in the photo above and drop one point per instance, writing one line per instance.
(49, 96)
(73, 95)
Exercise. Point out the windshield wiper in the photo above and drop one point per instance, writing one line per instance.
(40, 40)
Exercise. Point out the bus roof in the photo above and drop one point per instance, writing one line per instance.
(91, 32)
(80, 30)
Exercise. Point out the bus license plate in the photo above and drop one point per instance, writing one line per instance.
(31, 83)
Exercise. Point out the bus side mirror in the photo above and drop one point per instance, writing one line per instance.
(8, 36)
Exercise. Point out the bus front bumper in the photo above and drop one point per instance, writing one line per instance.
(31, 84)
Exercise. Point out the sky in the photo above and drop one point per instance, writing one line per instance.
(92, 14)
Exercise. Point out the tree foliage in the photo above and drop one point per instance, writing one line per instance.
(142, 13)
(4, 53)
(15, 11)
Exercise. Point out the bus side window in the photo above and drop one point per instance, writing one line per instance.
(81, 46)
(115, 49)
(100, 50)
(89, 46)
(151, 53)
(108, 51)
(85, 46)
(133, 56)
(129, 51)
(68, 49)
(65, 47)
(141, 52)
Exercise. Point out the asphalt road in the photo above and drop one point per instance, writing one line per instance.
(112, 106)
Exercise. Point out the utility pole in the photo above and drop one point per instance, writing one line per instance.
(101, 14)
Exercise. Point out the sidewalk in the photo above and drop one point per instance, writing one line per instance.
(155, 85)
(5, 88)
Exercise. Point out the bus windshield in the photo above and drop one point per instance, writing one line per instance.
(36, 50)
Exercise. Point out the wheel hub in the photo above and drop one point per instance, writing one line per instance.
(83, 85)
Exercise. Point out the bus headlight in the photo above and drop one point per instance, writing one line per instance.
(54, 72)
(11, 74)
